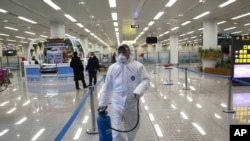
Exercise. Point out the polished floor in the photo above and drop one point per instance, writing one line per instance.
(39, 109)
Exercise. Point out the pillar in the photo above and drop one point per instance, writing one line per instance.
(150, 48)
(210, 29)
(57, 30)
(85, 41)
(174, 49)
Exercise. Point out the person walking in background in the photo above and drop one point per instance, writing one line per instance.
(114, 57)
(77, 66)
(128, 80)
(34, 59)
(92, 67)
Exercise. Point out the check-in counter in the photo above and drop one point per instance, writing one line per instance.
(64, 71)
(34, 71)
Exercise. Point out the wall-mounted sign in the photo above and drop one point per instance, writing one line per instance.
(135, 26)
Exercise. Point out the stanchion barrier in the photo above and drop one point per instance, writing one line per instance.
(186, 85)
(75, 114)
(92, 107)
(229, 103)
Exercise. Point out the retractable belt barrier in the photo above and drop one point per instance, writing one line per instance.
(229, 78)
(76, 112)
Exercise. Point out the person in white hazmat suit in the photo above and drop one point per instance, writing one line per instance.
(128, 80)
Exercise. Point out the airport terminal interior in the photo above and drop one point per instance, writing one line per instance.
(196, 53)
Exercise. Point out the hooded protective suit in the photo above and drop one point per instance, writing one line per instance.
(125, 79)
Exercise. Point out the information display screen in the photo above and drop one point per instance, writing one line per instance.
(240, 57)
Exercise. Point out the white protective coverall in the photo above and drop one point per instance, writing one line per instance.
(125, 80)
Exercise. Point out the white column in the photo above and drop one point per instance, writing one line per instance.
(210, 29)
(159, 46)
(174, 49)
(101, 49)
(85, 41)
(95, 47)
(150, 47)
(57, 30)
(1, 50)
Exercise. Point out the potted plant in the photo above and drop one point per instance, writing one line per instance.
(210, 53)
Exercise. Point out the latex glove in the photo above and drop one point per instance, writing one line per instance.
(102, 108)
(137, 96)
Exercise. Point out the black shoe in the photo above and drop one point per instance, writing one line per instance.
(78, 88)
(85, 87)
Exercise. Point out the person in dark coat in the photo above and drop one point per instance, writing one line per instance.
(77, 66)
(92, 67)
(34, 59)
(114, 57)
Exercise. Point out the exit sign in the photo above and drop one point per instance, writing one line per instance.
(135, 26)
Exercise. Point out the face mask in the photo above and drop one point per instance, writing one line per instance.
(122, 58)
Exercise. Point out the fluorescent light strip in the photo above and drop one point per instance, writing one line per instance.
(78, 133)
(230, 28)
(175, 28)
(151, 23)
(11, 28)
(23, 42)
(158, 15)
(185, 23)
(241, 16)
(21, 120)
(19, 37)
(87, 30)
(170, 3)
(1, 34)
(166, 32)
(70, 18)
(116, 29)
(190, 32)
(158, 130)
(38, 134)
(114, 16)
(29, 32)
(221, 22)
(200, 29)
(199, 128)
(4, 132)
(115, 23)
(226, 3)
(247, 24)
(145, 29)
(112, 3)
(236, 32)
(201, 15)
(11, 40)
(27, 20)
(52, 4)
(80, 25)
(43, 36)
(3, 11)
